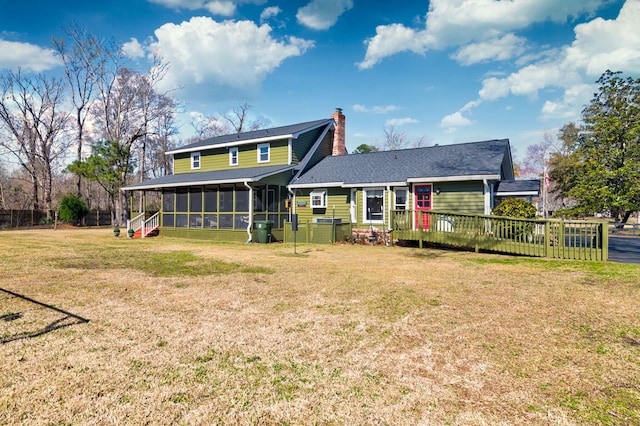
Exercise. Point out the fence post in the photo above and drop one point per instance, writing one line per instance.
(604, 238)
(547, 238)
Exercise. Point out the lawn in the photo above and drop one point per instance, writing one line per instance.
(102, 330)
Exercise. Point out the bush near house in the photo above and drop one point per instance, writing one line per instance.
(515, 208)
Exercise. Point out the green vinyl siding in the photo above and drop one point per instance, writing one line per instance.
(337, 205)
(459, 197)
(218, 158)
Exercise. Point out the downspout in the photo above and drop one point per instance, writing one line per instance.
(250, 224)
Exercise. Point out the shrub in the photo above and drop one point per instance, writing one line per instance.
(515, 207)
(72, 209)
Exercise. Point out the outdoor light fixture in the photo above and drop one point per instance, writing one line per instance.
(437, 191)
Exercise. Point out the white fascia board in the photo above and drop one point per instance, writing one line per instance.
(375, 185)
(452, 178)
(316, 185)
(229, 144)
(192, 183)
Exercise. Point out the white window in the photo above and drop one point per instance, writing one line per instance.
(195, 160)
(263, 153)
(233, 156)
(318, 199)
(401, 197)
(373, 205)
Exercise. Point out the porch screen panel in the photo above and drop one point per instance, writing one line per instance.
(195, 201)
(241, 218)
(168, 201)
(210, 200)
(182, 202)
(226, 200)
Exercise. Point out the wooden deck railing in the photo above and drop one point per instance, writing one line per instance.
(558, 239)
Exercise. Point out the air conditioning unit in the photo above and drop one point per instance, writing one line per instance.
(327, 220)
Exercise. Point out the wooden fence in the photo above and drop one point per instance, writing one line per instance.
(557, 239)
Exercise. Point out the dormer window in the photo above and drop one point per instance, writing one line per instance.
(195, 160)
(263, 153)
(233, 156)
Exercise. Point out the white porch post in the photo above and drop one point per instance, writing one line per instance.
(487, 197)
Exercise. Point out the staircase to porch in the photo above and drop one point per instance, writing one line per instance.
(143, 228)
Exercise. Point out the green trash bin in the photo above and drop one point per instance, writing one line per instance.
(264, 230)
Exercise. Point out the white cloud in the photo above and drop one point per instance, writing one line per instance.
(460, 22)
(229, 54)
(608, 44)
(400, 121)
(322, 14)
(453, 121)
(269, 13)
(498, 49)
(391, 39)
(378, 109)
(26, 56)
(133, 48)
(599, 45)
(222, 8)
(215, 7)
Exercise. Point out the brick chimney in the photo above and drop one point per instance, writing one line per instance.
(339, 146)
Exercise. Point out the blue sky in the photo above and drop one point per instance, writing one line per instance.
(443, 71)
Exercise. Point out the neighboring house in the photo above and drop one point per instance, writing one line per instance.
(221, 186)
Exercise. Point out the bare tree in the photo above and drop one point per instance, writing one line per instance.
(237, 118)
(34, 127)
(80, 59)
(394, 138)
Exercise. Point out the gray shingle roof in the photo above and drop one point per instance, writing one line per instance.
(467, 159)
(515, 187)
(252, 174)
(274, 132)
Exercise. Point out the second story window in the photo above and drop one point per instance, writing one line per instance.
(263, 153)
(195, 160)
(233, 156)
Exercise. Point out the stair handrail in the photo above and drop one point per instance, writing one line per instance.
(136, 222)
(150, 225)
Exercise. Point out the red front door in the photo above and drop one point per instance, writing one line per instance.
(422, 197)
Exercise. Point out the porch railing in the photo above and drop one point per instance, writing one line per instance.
(558, 239)
(145, 226)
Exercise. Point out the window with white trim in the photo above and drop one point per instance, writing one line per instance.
(318, 199)
(233, 156)
(264, 151)
(373, 205)
(401, 198)
(195, 160)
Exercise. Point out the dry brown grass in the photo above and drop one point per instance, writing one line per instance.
(251, 334)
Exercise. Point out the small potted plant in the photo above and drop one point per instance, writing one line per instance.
(116, 231)
(130, 232)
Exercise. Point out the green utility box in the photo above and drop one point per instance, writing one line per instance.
(264, 230)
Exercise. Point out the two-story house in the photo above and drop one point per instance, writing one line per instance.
(221, 186)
